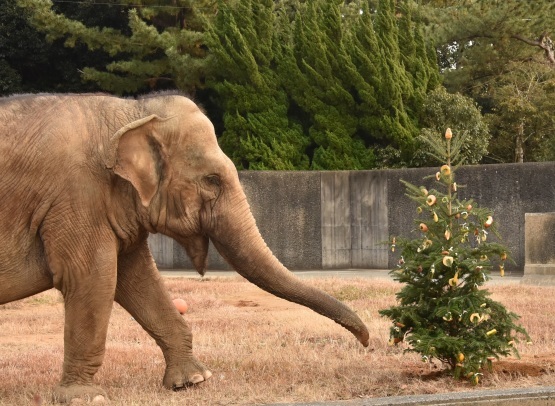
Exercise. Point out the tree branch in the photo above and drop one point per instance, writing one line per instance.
(544, 42)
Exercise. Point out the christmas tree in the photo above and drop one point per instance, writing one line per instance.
(442, 312)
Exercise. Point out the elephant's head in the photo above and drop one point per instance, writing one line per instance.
(189, 190)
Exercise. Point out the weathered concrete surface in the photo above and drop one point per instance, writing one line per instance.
(542, 396)
(539, 249)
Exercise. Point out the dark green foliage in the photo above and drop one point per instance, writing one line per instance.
(443, 312)
(462, 115)
(258, 132)
(290, 85)
(312, 65)
(29, 63)
(158, 48)
(348, 76)
(317, 69)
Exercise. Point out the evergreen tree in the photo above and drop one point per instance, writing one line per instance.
(477, 38)
(418, 58)
(292, 84)
(161, 47)
(311, 65)
(442, 311)
(398, 68)
(481, 44)
(459, 112)
(364, 51)
(522, 117)
(258, 133)
(396, 87)
(26, 57)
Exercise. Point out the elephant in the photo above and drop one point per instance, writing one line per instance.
(85, 179)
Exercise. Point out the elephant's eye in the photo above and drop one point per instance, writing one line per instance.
(213, 180)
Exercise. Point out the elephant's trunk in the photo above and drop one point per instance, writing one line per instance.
(244, 249)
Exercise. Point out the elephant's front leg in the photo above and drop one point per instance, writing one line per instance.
(140, 290)
(85, 272)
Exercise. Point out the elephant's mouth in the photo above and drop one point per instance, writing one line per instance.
(197, 250)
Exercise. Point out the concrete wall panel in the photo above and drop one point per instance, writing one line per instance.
(336, 220)
(369, 222)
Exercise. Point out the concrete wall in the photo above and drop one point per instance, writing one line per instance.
(334, 220)
(539, 268)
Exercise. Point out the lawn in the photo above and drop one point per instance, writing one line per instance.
(262, 349)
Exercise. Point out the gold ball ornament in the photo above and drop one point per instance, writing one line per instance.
(445, 170)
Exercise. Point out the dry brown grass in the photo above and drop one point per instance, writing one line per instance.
(261, 349)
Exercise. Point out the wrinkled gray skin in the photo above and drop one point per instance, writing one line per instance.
(84, 179)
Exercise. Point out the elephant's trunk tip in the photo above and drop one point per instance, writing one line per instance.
(356, 327)
(362, 335)
(364, 339)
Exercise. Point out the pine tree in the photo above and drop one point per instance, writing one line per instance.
(469, 33)
(442, 311)
(163, 46)
(522, 119)
(482, 44)
(26, 64)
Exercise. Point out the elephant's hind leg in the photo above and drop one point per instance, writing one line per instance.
(140, 290)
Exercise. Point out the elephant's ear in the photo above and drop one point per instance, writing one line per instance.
(136, 155)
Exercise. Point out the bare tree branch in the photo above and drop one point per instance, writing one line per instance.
(544, 42)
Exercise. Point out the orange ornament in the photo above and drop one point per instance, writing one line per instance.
(180, 305)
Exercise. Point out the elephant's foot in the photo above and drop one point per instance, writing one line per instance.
(186, 374)
(80, 394)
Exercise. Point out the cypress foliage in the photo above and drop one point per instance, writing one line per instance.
(396, 86)
(258, 133)
(364, 50)
(314, 70)
(295, 85)
(419, 63)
